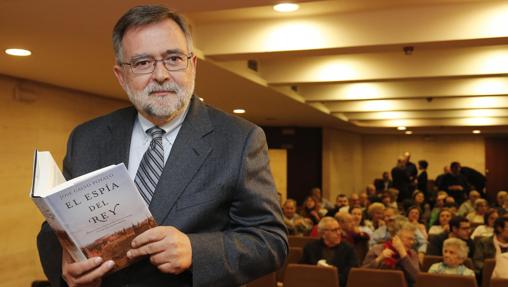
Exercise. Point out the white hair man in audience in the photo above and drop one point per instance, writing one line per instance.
(352, 234)
(330, 249)
(295, 223)
(396, 253)
(500, 198)
(468, 206)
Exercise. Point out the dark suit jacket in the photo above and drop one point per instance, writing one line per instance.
(344, 257)
(216, 187)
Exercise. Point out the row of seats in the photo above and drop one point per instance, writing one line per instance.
(299, 275)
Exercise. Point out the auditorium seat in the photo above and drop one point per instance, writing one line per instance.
(268, 280)
(363, 277)
(294, 255)
(302, 275)
(498, 282)
(300, 241)
(428, 260)
(488, 268)
(424, 279)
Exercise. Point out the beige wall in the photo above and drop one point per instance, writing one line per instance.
(43, 123)
(352, 161)
(279, 168)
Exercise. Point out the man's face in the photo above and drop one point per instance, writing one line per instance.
(341, 201)
(389, 218)
(160, 94)
(408, 239)
(331, 233)
(473, 196)
(289, 210)
(503, 236)
(463, 231)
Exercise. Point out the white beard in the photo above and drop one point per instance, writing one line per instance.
(161, 107)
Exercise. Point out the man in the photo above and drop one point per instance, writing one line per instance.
(396, 253)
(383, 183)
(389, 229)
(323, 202)
(468, 206)
(411, 170)
(402, 180)
(341, 205)
(455, 183)
(296, 224)
(485, 248)
(422, 178)
(460, 228)
(331, 249)
(219, 220)
(352, 234)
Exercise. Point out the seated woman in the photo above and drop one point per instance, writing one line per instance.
(396, 253)
(359, 220)
(487, 229)
(454, 254)
(413, 216)
(441, 225)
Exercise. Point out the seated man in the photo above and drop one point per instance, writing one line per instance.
(330, 248)
(352, 234)
(295, 223)
(460, 228)
(396, 253)
(341, 204)
(385, 232)
(485, 248)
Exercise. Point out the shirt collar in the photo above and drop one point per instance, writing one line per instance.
(168, 127)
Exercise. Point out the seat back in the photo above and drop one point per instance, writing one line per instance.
(269, 280)
(428, 260)
(294, 256)
(302, 275)
(498, 282)
(433, 280)
(362, 277)
(300, 241)
(488, 268)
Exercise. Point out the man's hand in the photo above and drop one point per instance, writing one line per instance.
(85, 273)
(169, 249)
(399, 246)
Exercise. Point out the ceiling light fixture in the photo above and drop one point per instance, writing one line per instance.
(239, 111)
(409, 132)
(286, 7)
(477, 132)
(18, 52)
(401, 128)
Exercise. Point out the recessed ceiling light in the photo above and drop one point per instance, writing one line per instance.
(409, 132)
(286, 7)
(239, 111)
(201, 99)
(401, 128)
(18, 52)
(477, 132)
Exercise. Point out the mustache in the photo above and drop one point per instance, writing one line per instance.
(165, 87)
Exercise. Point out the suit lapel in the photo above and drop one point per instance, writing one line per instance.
(120, 128)
(188, 153)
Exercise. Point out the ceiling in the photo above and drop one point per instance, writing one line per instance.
(369, 66)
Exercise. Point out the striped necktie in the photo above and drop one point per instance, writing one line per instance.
(151, 166)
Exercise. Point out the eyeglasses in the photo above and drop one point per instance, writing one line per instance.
(172, 62)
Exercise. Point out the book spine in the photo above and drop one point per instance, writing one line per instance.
(66, 238)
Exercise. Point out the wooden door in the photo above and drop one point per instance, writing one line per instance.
(496, 162)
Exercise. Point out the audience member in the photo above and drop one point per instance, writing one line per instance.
(460, 228)
(500, 198)
(376, 215)
(440, 178)
(388, 198)
(401, 180)
(296, 224)
(438, 205)
(477, 216)
(322, 201)
(418, 200)
(359, 220)
(486, 229)
(413, 216)
(443, 223)
(341, 204)
(354, 200)
(372, 195)
(397, 253)
(411, 170)
(422, 179)
(468, 206)
(384, 183)
(455, 183)
(310, 210)
(474, 178)
(485, 248)
(330, 249)
(387, 231)
(352, 234)
(454, 254)
(364, 200)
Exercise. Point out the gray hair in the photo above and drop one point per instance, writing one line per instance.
(480, 201)
(321, 225)
(144, 15)
(400, 225)
(462, 248)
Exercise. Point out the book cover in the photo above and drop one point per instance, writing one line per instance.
(96, 214)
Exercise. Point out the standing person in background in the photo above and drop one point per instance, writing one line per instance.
(422, 179)
(401, 180)
(384, 183)
(411, 170)
(212, 196)
(455, 183)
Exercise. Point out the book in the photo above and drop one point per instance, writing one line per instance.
(96, 214)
